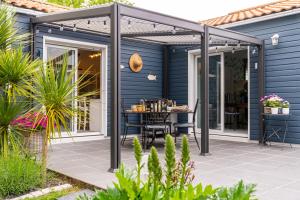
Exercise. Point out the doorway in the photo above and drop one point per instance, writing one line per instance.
(88, 59)
(228, 91)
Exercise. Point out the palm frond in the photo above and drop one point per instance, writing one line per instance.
(55, 95)
(9, 34)
(16, 70)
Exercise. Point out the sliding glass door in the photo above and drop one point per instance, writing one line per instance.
(216, 108)
(55, 55)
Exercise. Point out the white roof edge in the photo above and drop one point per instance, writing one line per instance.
(262, 18)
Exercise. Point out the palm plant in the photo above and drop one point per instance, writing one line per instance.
(16, 69)
(8, 135)
(9, 35)
(54, 95)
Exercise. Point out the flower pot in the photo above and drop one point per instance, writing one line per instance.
(33, 141)
(285, 111)
(274, 111)
(267, 110)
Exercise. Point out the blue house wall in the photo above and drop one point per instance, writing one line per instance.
(134, 86)
(282, 68)
(282, 71)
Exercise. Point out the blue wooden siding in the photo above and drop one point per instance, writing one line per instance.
(134, 86)
(282, 69)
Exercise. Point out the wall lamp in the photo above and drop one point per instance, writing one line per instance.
(275, 39)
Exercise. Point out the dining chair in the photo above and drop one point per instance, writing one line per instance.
(188, 125)
(154, 123)
(128, 124)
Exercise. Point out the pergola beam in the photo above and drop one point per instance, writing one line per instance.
(115, 75)
(204, 92)
(159, 18)
(84, 13)
(225, 33)
(153, 34)
(261, 87)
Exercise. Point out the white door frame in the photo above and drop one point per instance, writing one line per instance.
(68, 43)
(192, 85)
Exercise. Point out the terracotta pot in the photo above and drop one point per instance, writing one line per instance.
(285, 111)
(274, 111)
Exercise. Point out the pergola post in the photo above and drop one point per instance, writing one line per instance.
(115, 74)
(261, 87)
(204, 91)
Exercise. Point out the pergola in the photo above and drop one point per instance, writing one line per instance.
(119, 21)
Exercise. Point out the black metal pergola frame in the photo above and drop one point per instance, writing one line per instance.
(115, 11)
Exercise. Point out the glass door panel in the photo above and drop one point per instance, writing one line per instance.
(56, 55)
(215, 91)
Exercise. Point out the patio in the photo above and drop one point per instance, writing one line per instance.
(120, 23)
(275, 169)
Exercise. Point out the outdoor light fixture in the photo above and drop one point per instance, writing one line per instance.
(174, 30)
(216, 49)
(37, 31)
(275, 39)
(154, 27)
(194, 37)
(129, 24)
(233, 50)
(254, 51)
(74, 28)
(239, 44)
(61, 28)
(49, 30)
(210, 40)
(89, 22)
(226, 44)
(104, 23)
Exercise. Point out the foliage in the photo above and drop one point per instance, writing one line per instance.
(84, 3)
(18, 174)
(178, 187)
(8, 34)
(16, 69)
(54, 97)
(274, 101)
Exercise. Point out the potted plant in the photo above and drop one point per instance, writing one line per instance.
(267, 108)
(272, 103)
(32, 126)
(285, 107)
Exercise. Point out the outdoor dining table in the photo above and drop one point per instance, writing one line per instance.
(166, 113)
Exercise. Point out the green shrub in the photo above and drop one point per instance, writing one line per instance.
(18, 174)
(178, 178)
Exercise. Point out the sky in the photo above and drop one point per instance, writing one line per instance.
(197, 9)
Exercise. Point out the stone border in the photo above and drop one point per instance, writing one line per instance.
(43, 191)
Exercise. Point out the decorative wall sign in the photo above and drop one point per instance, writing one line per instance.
(135, 63)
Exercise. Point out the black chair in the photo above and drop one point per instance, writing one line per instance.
(154, 123)
(128, 124)
(188, 125)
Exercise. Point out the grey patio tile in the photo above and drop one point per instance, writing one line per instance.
(268, 167)
(281, 194)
